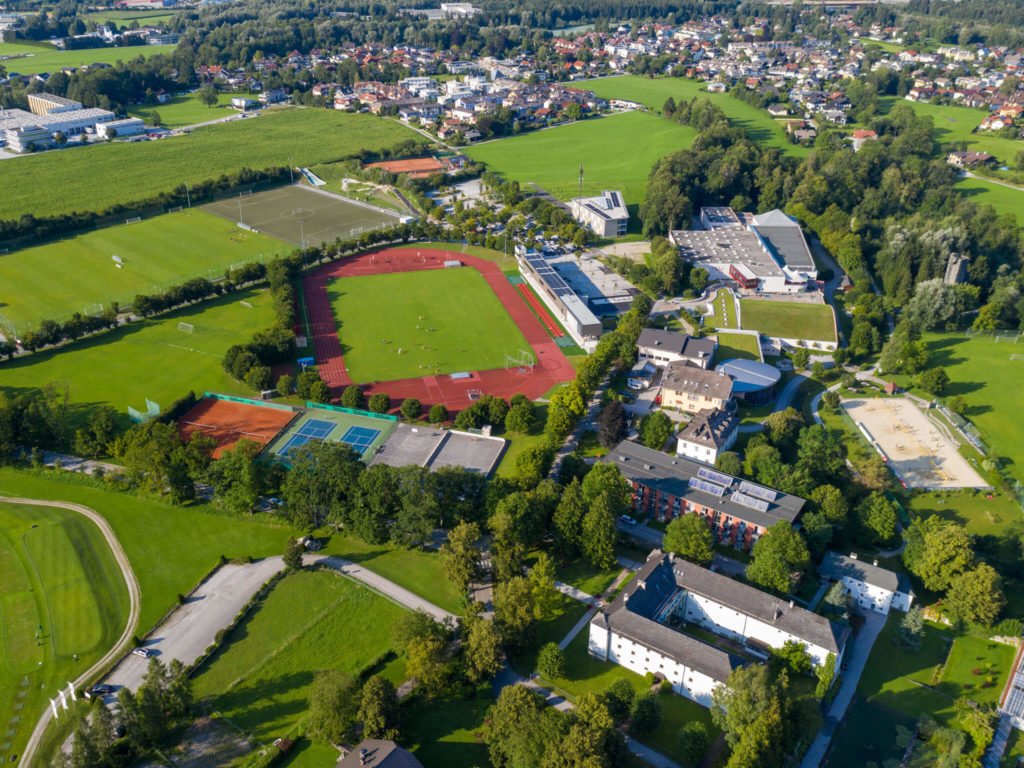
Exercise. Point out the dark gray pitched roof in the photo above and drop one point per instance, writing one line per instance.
(836, 566)
(676, 343)
(380, 753)
(683, 377)
(710, 427)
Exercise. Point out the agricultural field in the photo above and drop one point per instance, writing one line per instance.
(62, 606)
(606, 147)
(311, 621)
(150, 359)
(77, 274)
(125, 18)
(652, 93)
(185, 110)
(96, 177)
(412, 324)
(788, 319)
(1003, 199)
(31, 59)
(737, 346)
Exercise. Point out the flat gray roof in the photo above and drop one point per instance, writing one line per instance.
(786, 238)
(726, 246)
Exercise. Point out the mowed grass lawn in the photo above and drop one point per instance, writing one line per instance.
(447, 733)
(56, 573)
(788, 319)
(723, 314)
(186, 109)
(94, 178)
(148, 359)
(1003, 199)
(737, 346)
(413, 324)
(46, 58)
(55, 280)
(653, 92)
(616, 152)
(310, 621)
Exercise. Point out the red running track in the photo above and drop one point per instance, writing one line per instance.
(551, 368)
(545, 318)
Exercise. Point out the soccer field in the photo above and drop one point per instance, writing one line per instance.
(303, 216)
(652, 93)
(150, 359)
(94, 178)
(58, 574)
(45, 58)
(55, 280)
(411, 324)
(788, 319)
(616, 152)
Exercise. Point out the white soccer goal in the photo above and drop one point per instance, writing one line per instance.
(134, 220)
(1007, 336)
(246, 304)
(1017, 357)
(176, 209)
(186, 327)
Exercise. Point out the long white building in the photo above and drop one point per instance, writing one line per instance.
(644, 629)
(868, 585)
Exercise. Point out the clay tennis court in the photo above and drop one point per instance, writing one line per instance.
(455, 392)
(415, 167)
(229, 422)
(915, 447)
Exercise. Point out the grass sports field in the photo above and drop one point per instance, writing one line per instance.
(58, 574)
(45, 58)
(309, 622)
(412, 324)
(124, 18)
(150, 359)
(788, 319)
(185, 110)
(93, 178)
(301, 215)
(1003, 199)
(652, 93)
(607, 148)
(74, 275)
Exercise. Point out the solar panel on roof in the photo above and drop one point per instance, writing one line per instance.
(749, 501)
(715, 477)
(758, 492)
(704, 485)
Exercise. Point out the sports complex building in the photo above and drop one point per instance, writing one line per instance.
(379, 438)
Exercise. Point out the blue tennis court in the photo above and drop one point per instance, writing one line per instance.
(360, 438)
(314, 429)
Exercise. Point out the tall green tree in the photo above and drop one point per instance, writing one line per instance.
(461, 555)
(690, 537)
(333, 706)
(379, 709)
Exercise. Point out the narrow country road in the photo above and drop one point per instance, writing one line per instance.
(134, 603)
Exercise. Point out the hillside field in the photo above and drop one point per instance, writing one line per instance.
(652, 93)
(616, 152)
(1003, 199)
(32, 59)
(93, 178)
(58, 574)
(55, 280)
(149, 359)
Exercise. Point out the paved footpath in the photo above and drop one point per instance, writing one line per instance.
(378, 583)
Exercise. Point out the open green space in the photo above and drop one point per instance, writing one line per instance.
(411, 324)
(868, 734)
(77, 274)
(417, 570)
(448, 732)
(32, 59)
(1003, 199)
(585, 674)
(737, 346)
(184, 110)
(125, 18)
(616, 152)
(724, 312)
(519, 444)
(148, 359)
(653, 92)
(170, 548)
(334, 174)
(310, 621)
(788, 319)
(63, 604)
(99, 176)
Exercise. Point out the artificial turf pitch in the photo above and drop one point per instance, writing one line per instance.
(412, 324)
(78, 274)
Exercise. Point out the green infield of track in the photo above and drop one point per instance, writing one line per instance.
(311, 621)
(63, 604)
(788, 319)
(45, 58)
(149, 359)
(74, 275)
(653, 92)
(97, 177)
(615, 151)
(411, 324)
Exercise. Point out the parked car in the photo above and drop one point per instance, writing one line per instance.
(143, 652)
(98, 691)
(627, 520)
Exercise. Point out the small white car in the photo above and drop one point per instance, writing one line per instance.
(627, 520)
(143, 652)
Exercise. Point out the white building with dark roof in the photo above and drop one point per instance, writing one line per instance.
(664, 347)
(868, 585)
(708, 434)
(646, 628)
(605, 215)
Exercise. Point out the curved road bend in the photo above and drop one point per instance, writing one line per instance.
(133, 606)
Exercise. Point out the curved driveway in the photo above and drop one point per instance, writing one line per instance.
(133, 606)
